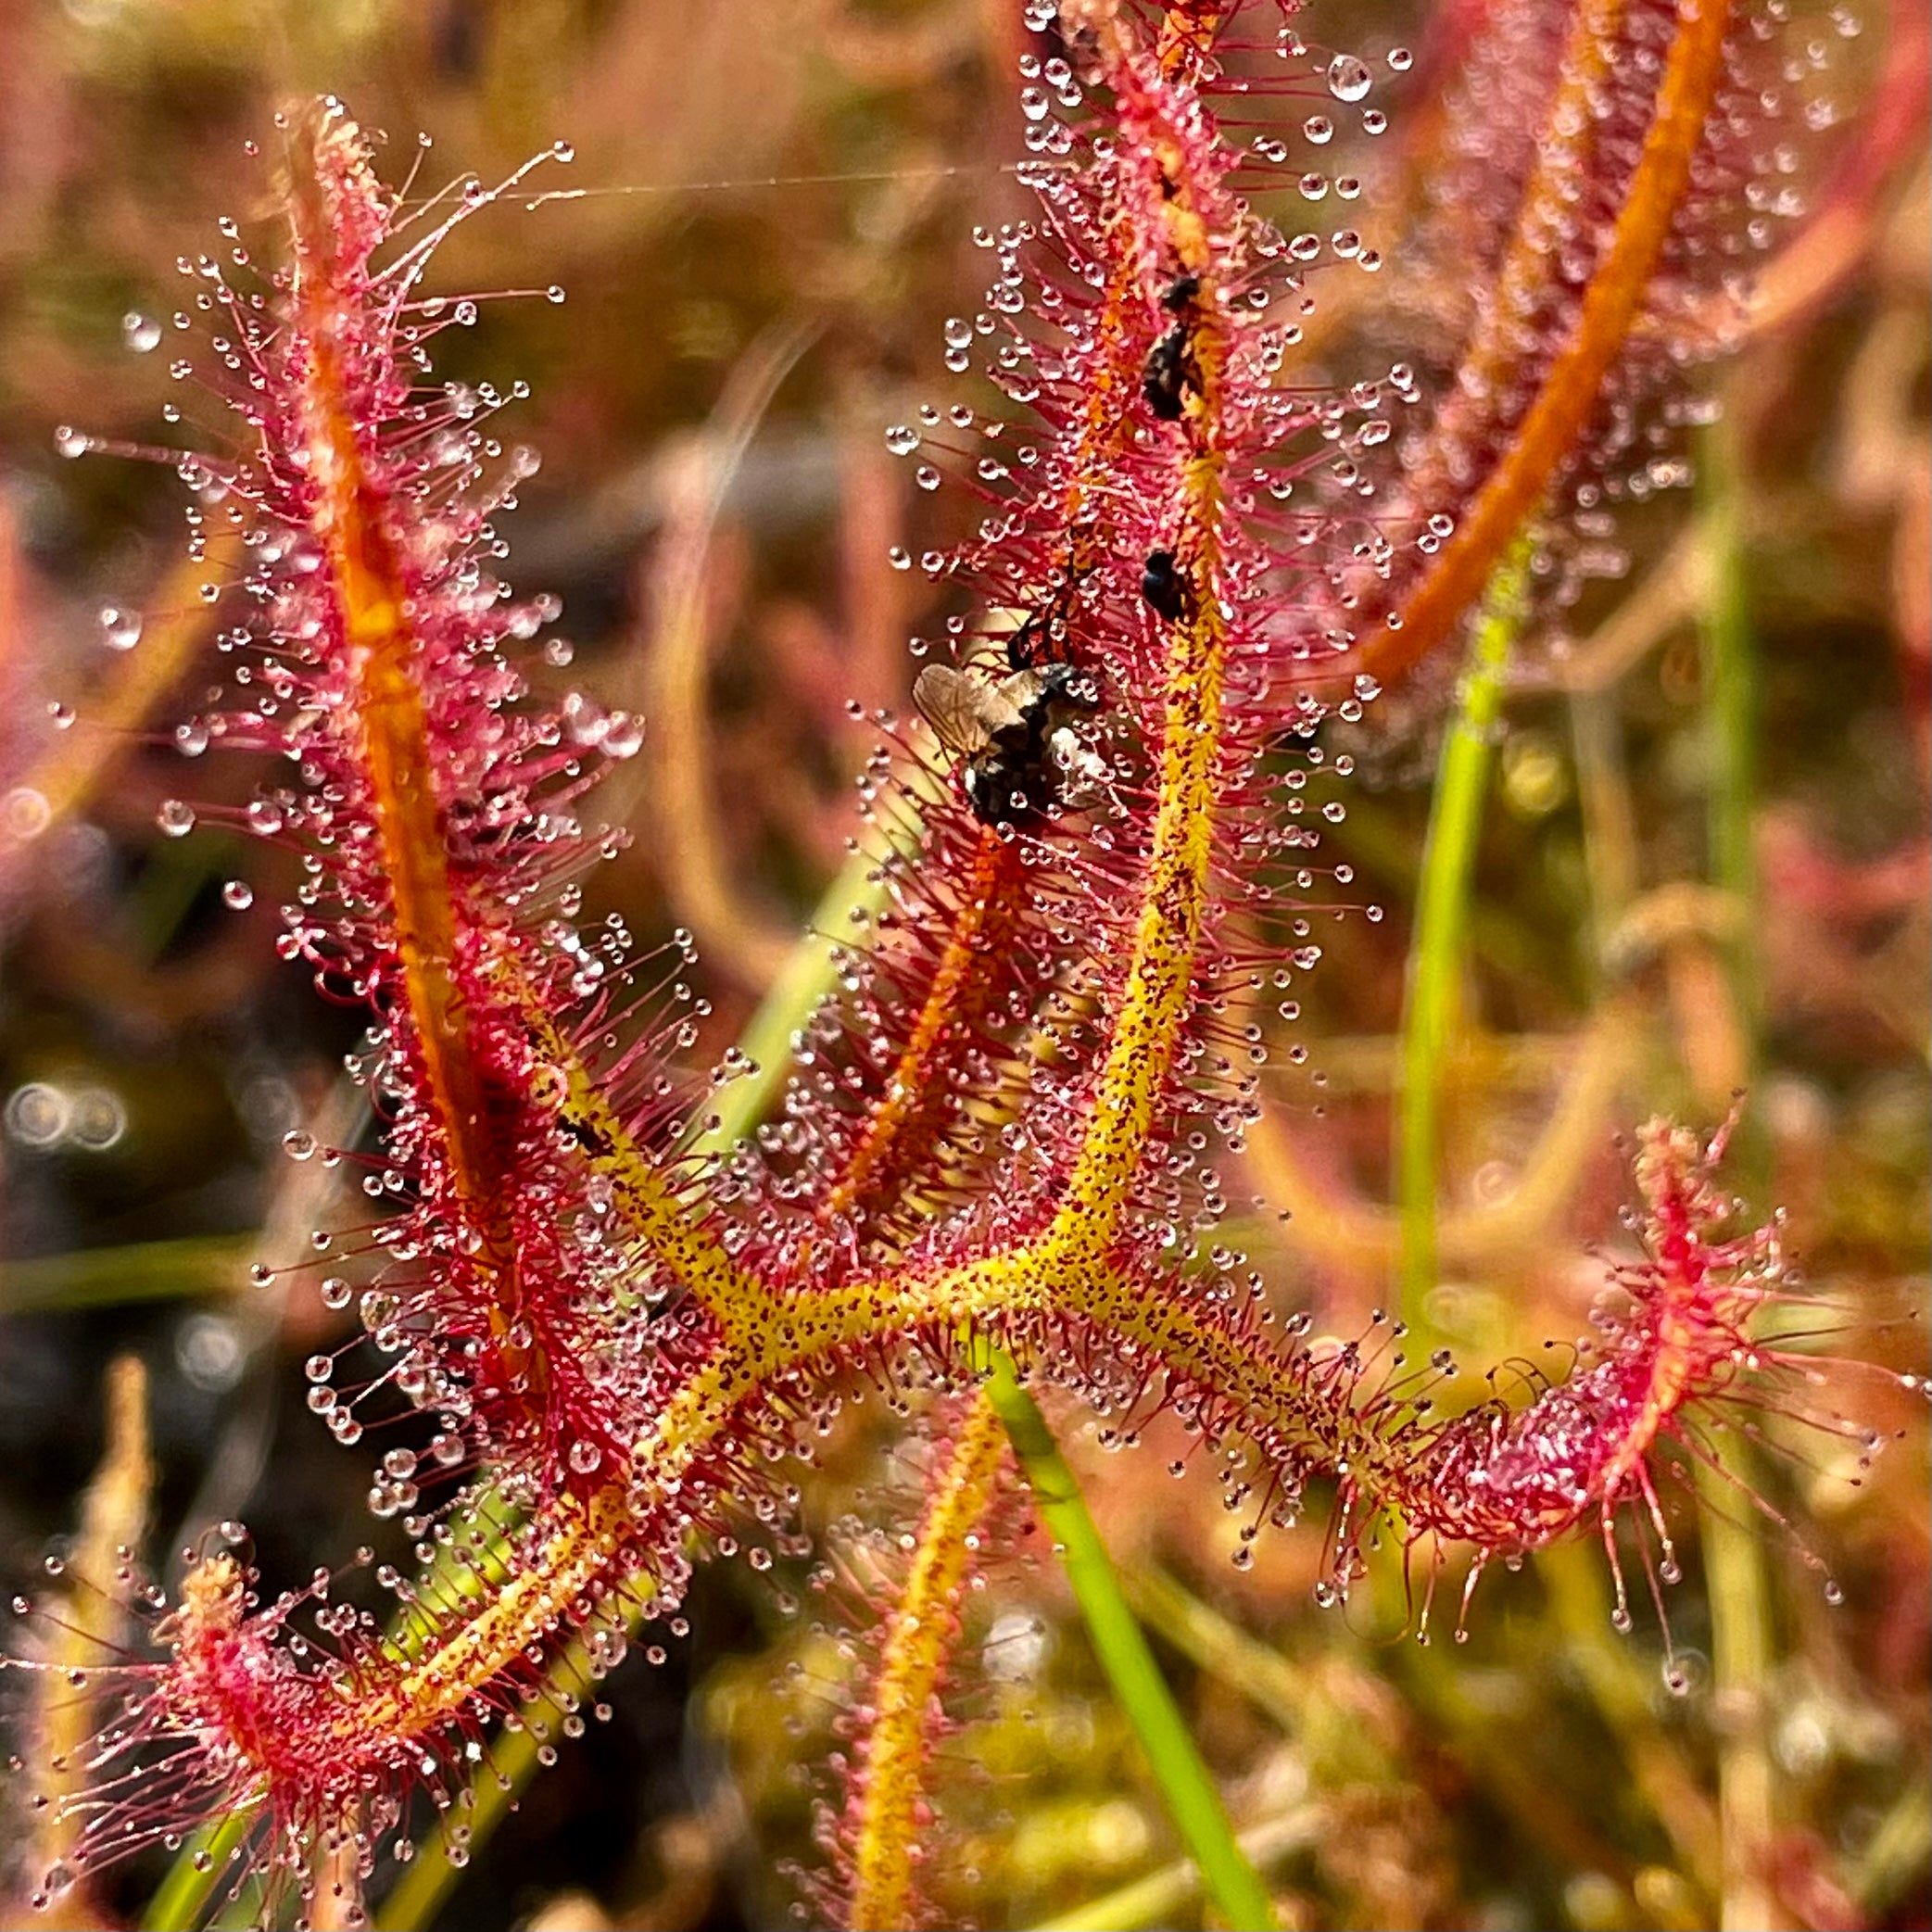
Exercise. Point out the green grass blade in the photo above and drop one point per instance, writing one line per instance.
(429, 1878)
(1159, 1899)
(136, 1271)
(1742, 1646)
(1186, 1785)
(1730, 677)
(1442, 924)
(182, 1896)
(808, 975)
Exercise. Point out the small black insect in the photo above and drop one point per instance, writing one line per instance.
(1181, 293)
(1166, 587)
(1016, 741)
(1171, 373)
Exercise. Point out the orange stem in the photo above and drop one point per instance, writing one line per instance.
(391, 719)
(1570, 391)
(1551, 191)
(918, 1097)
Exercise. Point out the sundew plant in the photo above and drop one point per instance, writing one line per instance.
(1324, 392)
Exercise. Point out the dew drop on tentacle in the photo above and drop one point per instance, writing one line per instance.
(1348, 78)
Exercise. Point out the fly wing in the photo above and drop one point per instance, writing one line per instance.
(961, 709)
(948, 701)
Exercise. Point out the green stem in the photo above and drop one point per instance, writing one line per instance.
(1743, 1656)
(427, 1880)
(1609, 834)
(1161, 1897)
(1442, 922)
(133, 1272)
(806, 977)
(1730, 673)
(1896, 1852)
(1186, 1785)
(182, 1896)
(1743, 1651)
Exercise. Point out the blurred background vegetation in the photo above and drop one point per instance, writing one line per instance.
(1704, 864)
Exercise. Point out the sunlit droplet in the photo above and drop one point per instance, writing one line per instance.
(120, 628)
(1348, 79)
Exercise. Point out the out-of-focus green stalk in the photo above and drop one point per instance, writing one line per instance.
(169, 885)
(1608, 823)
(1742, 1648)
(1442, 922)
(1730, 674)
(182, 1896)
(1895, 1854)
(1620, 1679)
(1340, 1753)
(807, 977)
(1186, 1785)
(427, 1880)
(141, 1270)
(1161, 1897)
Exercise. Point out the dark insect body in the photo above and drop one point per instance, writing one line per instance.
(1015, 740)
(1170, 373)
(1164, 585)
